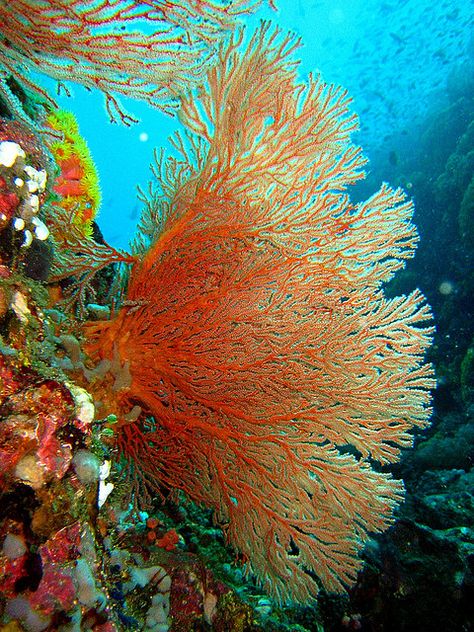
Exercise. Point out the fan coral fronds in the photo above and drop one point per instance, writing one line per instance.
(151, 50)
(78, 258)
(256, 329)
(78, 182)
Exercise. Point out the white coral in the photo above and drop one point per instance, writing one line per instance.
(28, 183)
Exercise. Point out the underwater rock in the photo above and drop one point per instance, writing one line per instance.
(36, 413)
(417, 574)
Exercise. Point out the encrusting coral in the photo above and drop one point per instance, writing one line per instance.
(77, 182)
(256, 330)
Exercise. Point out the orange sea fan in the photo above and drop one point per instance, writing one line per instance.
(256, 330)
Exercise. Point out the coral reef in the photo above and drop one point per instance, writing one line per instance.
(76, 552)
(72, 556)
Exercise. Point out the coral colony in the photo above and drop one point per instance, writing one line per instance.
(256, 331)
(244, 356)
(78, 182)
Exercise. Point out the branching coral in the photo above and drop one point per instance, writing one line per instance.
(256, 329)
(151, 50)
(77, 258)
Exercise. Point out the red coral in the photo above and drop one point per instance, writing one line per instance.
(9, 201)
(69, 182)
(168, 541)
(256, 330)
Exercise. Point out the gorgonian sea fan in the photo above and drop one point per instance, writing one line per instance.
(256, 330)
(151, 50)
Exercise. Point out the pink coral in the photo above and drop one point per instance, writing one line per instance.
(56, 591)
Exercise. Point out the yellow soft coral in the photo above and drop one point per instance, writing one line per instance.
(78, 182)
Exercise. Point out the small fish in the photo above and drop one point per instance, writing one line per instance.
(398, 38)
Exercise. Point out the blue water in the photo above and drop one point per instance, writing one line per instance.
(397, 58)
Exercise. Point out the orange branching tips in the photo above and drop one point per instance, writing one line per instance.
(151, 50)
(256, 329)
